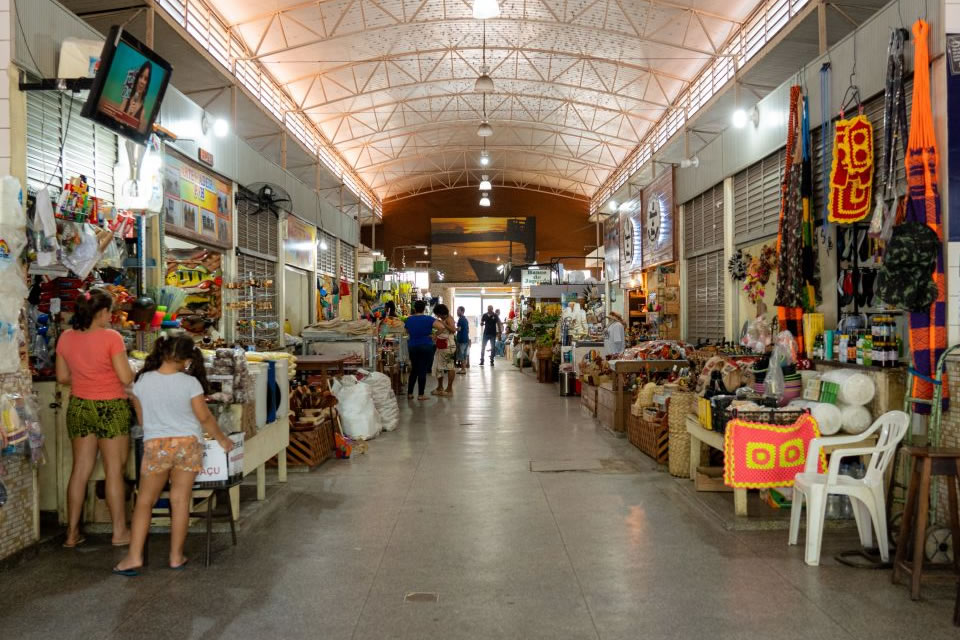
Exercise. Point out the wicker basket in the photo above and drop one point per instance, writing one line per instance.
(681, 404)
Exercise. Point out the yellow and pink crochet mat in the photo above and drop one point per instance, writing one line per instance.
(759, 456)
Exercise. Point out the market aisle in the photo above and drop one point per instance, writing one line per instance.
(447, 505)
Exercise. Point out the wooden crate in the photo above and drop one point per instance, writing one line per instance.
(611, 414)
(710, 479)
(588, 398)
(651, 434)
(312, 447)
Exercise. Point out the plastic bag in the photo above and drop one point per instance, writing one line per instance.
(384, 399)
(758, 335)
(788, 347)
(83, 251)
(358, 413)
(774, 383)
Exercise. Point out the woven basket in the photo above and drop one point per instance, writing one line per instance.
(681, 405)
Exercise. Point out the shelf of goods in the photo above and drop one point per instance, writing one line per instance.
(268, 442)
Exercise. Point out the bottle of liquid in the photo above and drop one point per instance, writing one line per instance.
(843, 348)
(860, 346)
(868, 351)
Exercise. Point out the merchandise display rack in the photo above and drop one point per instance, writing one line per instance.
(254, 304)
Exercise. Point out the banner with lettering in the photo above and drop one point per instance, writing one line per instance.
(197, 204)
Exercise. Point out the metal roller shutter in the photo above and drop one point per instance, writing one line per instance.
(327, 258)
(873, 109)
(348, 261)
(89, 149)
(703, 222)
(705, 304)
(756, 199)
(43, 140)
(257, 231)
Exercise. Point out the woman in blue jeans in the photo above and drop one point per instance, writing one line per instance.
(421, 347)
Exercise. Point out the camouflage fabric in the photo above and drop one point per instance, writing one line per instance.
(906, 277)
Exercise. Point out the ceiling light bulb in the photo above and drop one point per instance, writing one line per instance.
(484, 200)
(739, 118)
(221, 127)
(484, 83)
(613, 205)
(484, 157)
(323, 245)
(485, 184)
(454, 252)
(484, 130)
(484, 9)
(426, 252)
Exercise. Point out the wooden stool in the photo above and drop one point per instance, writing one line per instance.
(926, 462)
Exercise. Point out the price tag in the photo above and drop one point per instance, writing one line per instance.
(54, 306)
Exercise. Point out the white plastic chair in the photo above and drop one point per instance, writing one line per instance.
(866, 494)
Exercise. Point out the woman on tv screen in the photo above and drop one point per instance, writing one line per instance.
(136, 92)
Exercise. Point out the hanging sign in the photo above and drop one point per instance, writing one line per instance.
(658, 221)
(197, 205)
(851, 175)
(531, 277)
(300, 245)
(631, 238)
(611, 248)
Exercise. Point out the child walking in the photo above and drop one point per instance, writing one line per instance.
(169, 401)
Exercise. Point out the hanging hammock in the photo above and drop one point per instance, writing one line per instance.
(798, 272)
(928, 331)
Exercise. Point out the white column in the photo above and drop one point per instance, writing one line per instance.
(731, 320)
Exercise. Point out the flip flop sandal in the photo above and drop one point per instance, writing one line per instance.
(80, 541)
(126, 573)
(181, 566)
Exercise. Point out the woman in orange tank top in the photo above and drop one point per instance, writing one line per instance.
(92, 359)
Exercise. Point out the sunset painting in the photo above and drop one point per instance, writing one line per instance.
(478, 249)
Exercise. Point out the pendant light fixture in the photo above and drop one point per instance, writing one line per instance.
(485, 9)
(484, 200)
(484, 130)
(484, 83)
(484, 155)
(485, 184)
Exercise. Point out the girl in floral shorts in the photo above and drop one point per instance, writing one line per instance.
(169, 401)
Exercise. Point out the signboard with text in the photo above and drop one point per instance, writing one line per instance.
(300, 245)
(197, 205)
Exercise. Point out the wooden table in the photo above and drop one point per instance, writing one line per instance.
(623, 368)
(321, 363)
(715, 440)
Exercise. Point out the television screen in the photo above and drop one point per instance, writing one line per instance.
(128, 87)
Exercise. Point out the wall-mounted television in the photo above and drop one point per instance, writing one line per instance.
(129, 86)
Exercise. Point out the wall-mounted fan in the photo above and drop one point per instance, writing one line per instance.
(266, 197)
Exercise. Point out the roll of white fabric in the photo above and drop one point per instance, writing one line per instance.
(855, 388)
(826, 415)
(855, 419)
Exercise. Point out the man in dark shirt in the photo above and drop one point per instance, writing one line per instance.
(463, 340)
(491, 326)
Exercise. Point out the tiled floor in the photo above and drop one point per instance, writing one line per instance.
(447, 505)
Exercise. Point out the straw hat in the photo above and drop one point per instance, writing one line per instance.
(616, 316)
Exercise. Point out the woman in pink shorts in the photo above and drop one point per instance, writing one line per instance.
(169, 401)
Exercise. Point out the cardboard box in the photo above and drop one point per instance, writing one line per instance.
(220, 469)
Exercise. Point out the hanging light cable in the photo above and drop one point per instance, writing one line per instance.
(484, 83)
